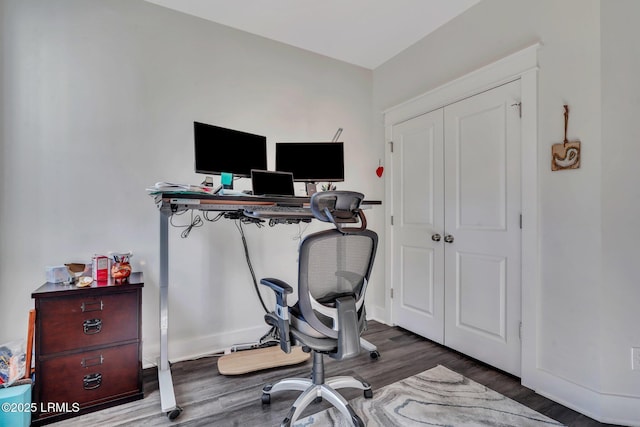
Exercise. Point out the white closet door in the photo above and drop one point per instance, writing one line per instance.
(418, 261)
(482, 216)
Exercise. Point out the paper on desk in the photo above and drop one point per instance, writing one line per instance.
(169, 187)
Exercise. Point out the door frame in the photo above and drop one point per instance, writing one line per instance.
(521, 65)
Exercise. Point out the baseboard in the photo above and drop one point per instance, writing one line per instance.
(378, 314)
(621, 410)
(603, 407)
(181, 349)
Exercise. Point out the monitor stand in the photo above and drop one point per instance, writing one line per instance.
(311, 188)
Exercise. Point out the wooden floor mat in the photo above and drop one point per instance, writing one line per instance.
(242, 362)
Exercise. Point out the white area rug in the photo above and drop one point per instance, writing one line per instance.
(437, 397)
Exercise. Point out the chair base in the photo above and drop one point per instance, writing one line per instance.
(312, 391)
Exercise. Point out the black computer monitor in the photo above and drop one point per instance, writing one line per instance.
(219, 150)
(311, 161)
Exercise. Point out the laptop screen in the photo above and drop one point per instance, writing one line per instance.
(269, 183)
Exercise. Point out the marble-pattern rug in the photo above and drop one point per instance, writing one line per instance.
(437, 397)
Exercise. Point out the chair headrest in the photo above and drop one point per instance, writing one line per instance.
(336, 206)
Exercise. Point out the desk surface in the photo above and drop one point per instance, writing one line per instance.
(176, 202)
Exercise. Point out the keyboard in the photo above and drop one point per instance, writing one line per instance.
(275, 211)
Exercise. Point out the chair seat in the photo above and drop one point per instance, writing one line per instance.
(299, 323)
(322, 345)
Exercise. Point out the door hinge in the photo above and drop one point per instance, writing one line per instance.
(391, 292)
(391, 145)
(520, 221)
(519, 105)
(391, 219)
(520, 331)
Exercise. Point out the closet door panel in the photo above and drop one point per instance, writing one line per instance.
(482, 216)
(418, 268)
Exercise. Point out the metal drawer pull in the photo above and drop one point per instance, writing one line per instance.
(92, 306)
(88, 362)
(92, 326)
(92, 381)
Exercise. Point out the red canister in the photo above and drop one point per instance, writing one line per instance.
(100, 268)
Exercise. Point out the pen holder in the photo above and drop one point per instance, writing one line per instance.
(121, 268)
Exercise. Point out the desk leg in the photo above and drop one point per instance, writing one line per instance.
(165, 382)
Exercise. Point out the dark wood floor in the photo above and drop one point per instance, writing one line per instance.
(211, 399)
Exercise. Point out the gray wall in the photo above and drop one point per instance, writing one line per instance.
(619, 288)
(99, 99)
(587, 217)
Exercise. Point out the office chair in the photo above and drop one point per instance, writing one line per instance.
(334, 268)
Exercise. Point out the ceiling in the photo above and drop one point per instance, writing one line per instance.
(361, 32)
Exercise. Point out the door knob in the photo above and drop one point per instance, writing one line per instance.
(448, 238)
(435, 237)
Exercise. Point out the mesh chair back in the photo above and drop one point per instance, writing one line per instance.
(333, 264)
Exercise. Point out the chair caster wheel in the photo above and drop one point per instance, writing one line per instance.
(368, 394)
(266, 399)
(375, 354)
(172, 415)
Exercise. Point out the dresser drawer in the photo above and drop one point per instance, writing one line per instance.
(84, 321)
(91, 377)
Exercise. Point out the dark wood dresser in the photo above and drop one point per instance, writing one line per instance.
(88, 348)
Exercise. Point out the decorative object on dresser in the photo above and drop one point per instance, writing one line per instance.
(88, 347)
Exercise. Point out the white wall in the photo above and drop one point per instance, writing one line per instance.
(619, 290)
(585, 319)
(99, 99)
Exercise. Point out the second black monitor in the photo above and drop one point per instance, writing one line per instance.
(311, 161)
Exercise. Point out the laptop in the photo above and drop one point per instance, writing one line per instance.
(276, 184)
(269, 183)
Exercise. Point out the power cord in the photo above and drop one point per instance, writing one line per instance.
(196, 221)
(239, 220)
(214, 219)
(301, 232)
(238, 224)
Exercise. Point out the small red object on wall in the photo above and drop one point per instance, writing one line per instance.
(380, 169)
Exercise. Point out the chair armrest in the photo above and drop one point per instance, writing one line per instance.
(281, 313)
(279, 286)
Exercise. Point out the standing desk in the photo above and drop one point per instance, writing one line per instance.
(168, 204)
